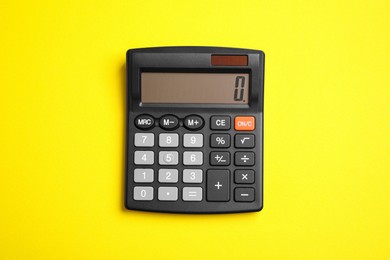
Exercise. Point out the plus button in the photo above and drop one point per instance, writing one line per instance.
(218, 185)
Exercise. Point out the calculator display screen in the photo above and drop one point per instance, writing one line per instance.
(194, 88)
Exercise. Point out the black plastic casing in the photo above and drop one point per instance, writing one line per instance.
(193, 59)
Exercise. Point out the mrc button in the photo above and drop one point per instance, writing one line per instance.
(220, 123)
(144, 122)
(169, 122)
(244, 123)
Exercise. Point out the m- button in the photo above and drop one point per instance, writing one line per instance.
(244, 123)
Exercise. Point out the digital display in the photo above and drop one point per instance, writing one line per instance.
(194, 88)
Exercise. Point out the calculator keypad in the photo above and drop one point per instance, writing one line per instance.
(182, 163)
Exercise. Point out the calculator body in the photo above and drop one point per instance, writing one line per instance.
(185, 157)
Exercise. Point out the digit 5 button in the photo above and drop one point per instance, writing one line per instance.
(244, 123)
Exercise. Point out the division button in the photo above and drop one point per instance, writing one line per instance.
(244, 123)
(220, 158)
(169, 122)
(144, 122)
(220, 140)
(244, 158)
(143, 175)
(244, 194)
(220, 123)
(244, 176)
(192, 194)
(218, 185)
(244, 141)
(143, 193)
(167, 193)
(193, 122)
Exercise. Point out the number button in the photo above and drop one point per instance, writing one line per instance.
(220, 141)
(244, 141)
(169, 140)
(168, 175)
(192, 158)
(192, 176)
(193, 140)
(220, 158)
(168, 158)
(143, 140)
(143, 175)
(143, 193)
(143, 157)
(193, 122)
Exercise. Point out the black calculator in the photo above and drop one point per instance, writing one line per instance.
(194, 130)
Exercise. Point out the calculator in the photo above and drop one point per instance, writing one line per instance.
(194, 130)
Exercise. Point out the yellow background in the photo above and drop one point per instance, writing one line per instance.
(327, 128)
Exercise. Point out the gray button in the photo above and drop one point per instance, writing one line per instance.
(192, 158)
(167, 193)
(144, 140)
(143, 193)
(144, 157)
(168, 158)
(169, 140)
(192, 194)
(193, 140)
(143, 175)
(192, 176)
(168, 175)
(244, 141)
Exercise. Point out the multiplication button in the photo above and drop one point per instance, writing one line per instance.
(244, 176)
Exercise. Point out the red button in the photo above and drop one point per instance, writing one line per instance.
(244, 123)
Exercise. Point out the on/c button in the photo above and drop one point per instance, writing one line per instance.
(244, 123)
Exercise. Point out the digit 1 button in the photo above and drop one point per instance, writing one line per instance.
(169, 122)
(193, 122)
(144, 122)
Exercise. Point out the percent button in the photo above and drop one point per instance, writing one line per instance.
(220, 141)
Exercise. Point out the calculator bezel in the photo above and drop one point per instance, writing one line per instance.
(193, 59)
